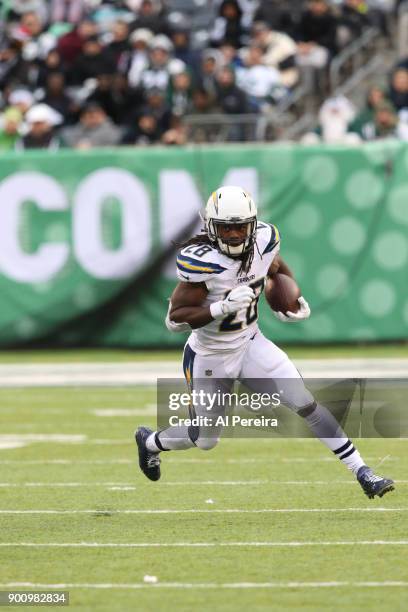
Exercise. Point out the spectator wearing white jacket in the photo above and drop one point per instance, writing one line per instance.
(335, 115)
(279, 52)
(139, 55)
(256, 79)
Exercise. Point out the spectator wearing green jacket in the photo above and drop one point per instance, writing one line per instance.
(382, 124)
(376, 96)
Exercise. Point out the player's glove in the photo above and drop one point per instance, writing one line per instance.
(176, 327)
(238, 299)
(293, 317)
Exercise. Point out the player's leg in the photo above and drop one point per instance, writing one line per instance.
(203, 373)
(268, 363)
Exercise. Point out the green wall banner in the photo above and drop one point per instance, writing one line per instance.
(86, 238)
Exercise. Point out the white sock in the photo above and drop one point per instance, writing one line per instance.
(151, 443)
(348, 455)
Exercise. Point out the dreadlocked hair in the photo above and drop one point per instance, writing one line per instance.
(197, 239)
(246, 258)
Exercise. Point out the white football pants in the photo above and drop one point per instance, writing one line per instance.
(260, 359)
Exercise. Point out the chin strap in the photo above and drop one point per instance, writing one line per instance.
(226, 249)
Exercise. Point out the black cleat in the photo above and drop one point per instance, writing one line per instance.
(373, 485)
(149, 462)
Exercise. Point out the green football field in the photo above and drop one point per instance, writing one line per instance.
(251, 525)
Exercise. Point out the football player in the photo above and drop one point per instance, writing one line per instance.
(222, 274)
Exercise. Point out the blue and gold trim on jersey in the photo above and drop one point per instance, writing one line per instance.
(189, 264)
(188, 365)
(273, 241)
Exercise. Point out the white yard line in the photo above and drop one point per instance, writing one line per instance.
(25, 439)
(184, 483)
(204, 511)
(201, 544)
(111, 441)
(128, 484)
(180, 460)
(203, 585)
(38, 437)
(66, 462)
(123, 412)
(131, 373)
(11, 441)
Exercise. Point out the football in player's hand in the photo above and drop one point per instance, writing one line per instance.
(282, 293)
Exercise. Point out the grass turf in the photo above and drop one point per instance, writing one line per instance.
(100, 475)
(331, 351)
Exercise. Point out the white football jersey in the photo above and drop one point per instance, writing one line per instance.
(202, 263)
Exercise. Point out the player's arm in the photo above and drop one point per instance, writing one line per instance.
(278, 265)
(187, 304)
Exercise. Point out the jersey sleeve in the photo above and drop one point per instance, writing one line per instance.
(268, 238)
(198, 265)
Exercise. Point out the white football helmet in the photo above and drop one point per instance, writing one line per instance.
(226, 206)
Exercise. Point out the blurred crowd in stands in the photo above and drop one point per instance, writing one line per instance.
(94, 73)
(385, 114)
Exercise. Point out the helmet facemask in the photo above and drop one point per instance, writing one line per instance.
(232, 247)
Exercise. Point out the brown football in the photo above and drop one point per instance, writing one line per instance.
(282, 293)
